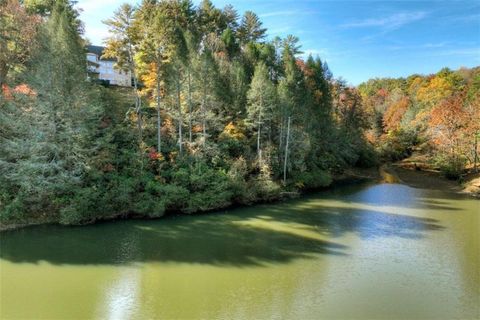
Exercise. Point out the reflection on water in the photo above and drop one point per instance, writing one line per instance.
(123, 296)
(384, 250)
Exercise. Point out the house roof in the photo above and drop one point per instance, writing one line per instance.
(98, 50)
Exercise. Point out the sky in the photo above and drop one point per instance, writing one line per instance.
(358, 39)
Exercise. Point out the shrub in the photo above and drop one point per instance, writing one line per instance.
(315, 178)
(451, 167)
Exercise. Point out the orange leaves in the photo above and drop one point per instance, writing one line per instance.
(197, 128)
(382, 92)
(447, 121)
(449, 113)
(394, 114)
(23, 89)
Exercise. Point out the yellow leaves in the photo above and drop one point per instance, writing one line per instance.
(300, 185)
(168, 127)
(435, 91)
(415, 85)
(233, 131)
(149, 78)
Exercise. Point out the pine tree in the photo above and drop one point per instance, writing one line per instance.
(123, 45)
(53, 143)
(261, 101)
(250, 29)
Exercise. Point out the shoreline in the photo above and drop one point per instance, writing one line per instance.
(387, 173)
(427, 178)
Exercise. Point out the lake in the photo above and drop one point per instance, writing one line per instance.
(360, 251)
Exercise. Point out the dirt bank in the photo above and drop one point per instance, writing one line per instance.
(419, 175)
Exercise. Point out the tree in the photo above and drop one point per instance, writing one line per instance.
(291, 43)
(18, 31)
(48, 157)
(122, 45)
(231, 17)
(261, 101)
(393, 116)
(250, 29)
(155, 47)
(292, 95)
(472, 130)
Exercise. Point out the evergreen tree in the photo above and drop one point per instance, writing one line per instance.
(49, 156)
(261, 102)
(250, 29)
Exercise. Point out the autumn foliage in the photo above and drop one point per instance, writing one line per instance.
(438, 115)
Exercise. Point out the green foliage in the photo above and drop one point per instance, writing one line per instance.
(209, 188)
(313, 179)
(451, 167)
(398, 145)
(208, 127)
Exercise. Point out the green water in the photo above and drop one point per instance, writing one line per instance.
(368, 251)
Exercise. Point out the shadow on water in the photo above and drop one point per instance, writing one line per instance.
(243, 237)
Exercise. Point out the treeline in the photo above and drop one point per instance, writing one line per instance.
(436, 115)
(217, 115)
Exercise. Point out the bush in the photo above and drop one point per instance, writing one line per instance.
(450, 166)
(367, 157)
(398, 145)
(84, 206)
(263, 187)
(238, 174)
(315, 178)
(198, 187)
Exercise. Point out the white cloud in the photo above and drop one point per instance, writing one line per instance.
(281, 13)
(429, 45)
(391, 22)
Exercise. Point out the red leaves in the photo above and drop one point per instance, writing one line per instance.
(154, 155)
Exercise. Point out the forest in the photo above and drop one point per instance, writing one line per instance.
(218, 114)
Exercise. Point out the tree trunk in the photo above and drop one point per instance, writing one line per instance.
(189, 108)
(3, 73)
(286, 153)
(280, 137)
(475, 156)
(138, 103)
(159, 120)
(259, 152)
(204, 114)
(258, 136)
(180, 115)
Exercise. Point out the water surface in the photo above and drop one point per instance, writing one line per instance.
(358, 252)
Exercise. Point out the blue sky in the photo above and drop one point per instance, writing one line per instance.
(358, 39)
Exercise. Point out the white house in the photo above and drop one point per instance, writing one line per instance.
(102, 68)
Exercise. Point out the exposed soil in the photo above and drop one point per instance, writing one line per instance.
(418, 172)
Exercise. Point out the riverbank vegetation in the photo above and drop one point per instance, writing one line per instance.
(217, 114)
(434, 119)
